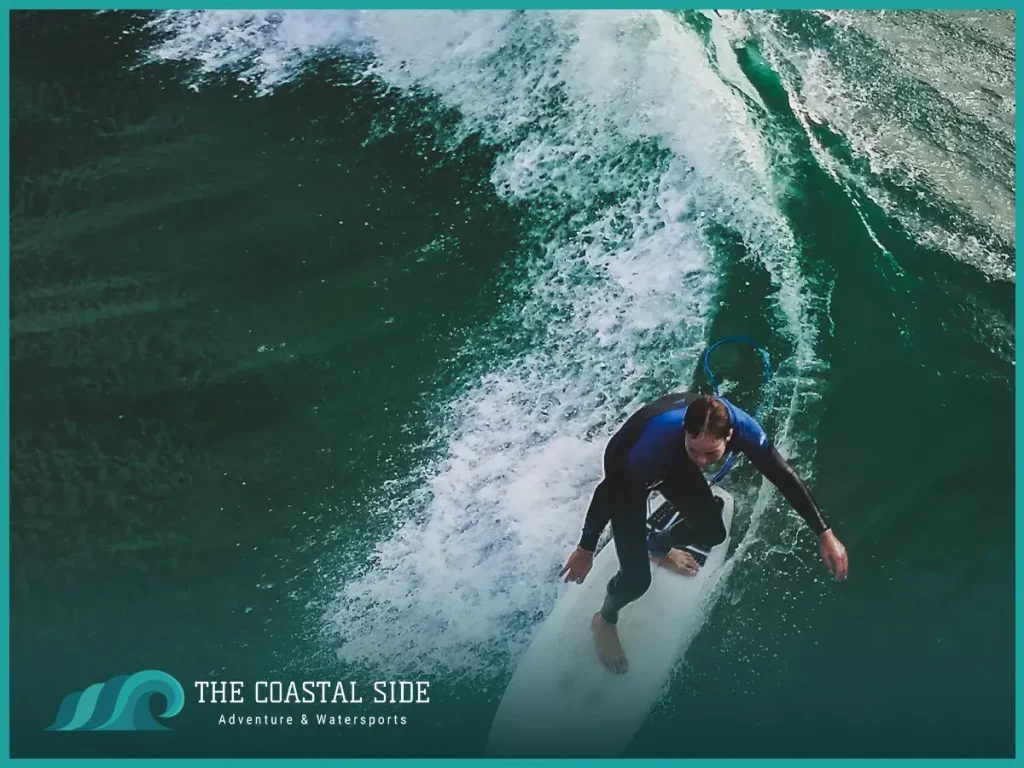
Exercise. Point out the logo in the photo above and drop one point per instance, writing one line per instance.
(120, 704)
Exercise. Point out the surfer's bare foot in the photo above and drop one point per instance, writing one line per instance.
(609, 648)
(679, 561)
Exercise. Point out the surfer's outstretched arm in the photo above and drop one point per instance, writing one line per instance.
(781, 474)
(602, 507)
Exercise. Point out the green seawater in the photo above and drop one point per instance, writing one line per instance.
(312, 366)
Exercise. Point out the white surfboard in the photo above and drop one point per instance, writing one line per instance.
(562, 701)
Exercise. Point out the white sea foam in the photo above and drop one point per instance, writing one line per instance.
(925, 121)
(617, 123)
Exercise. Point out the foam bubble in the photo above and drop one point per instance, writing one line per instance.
(263, 48)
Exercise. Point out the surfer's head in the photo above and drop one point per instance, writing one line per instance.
(706, 430)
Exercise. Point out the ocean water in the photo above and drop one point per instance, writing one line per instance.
(320, 322)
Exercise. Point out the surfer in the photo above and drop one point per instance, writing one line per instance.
(666, 446)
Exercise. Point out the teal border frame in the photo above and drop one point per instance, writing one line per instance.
(5, 701)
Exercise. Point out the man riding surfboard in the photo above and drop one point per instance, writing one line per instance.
(666, 446)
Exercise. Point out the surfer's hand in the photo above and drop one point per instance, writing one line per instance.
(833, 553)
(577, 566)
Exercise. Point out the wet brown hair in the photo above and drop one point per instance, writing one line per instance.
(708, 416)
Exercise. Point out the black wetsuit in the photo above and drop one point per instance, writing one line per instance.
(647, 454)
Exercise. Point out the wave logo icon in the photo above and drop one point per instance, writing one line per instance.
(120, 704)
